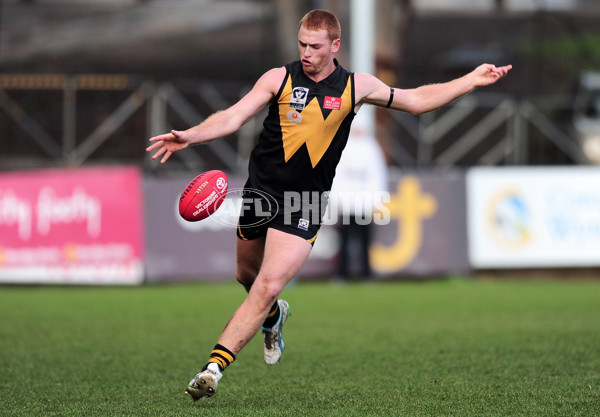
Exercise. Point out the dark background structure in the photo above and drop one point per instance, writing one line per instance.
(155, 64)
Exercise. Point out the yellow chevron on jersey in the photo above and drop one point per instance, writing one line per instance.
(314, 129)
(300, 153)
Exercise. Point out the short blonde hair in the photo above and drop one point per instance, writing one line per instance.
(322, 19)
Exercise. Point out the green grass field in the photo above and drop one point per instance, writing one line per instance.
(443, 348)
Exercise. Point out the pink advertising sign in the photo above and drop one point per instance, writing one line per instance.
(80, 226)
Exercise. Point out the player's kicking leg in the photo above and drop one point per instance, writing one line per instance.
(284, 254)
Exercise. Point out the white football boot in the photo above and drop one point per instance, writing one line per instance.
(205, 383)
(274, 336)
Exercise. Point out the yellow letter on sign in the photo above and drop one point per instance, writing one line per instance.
(409, 207)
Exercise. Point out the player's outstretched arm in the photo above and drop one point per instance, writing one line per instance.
(427, 97)
(222, 123)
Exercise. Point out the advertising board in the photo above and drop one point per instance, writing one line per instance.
(179, 250)
(426, 234)
(534, 217)
(79, 226)
(421, 233)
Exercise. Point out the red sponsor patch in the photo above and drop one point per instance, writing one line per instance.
(332, 103)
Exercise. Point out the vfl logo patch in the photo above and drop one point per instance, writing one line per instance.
(332, 103)
(303, 224)
(299, 96)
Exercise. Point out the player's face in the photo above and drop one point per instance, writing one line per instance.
(316, 50)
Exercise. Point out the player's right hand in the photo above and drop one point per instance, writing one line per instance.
(167, 144)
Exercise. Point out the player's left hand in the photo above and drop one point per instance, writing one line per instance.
(487, 74)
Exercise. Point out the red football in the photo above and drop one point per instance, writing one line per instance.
(203, 195)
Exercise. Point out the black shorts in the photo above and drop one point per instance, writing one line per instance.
(298, 214)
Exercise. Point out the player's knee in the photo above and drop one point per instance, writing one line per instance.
(267, 292)
(245, 277)
(246, 273)
(271, 292)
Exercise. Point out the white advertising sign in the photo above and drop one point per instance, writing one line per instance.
(534, 217)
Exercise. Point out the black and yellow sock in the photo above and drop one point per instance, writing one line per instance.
(272, 317)
(221, 356)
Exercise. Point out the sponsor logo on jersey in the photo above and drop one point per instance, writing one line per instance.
(294, 117)
(332, 103)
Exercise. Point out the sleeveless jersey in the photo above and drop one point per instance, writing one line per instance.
(304, 133)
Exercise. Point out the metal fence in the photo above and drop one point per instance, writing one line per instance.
(74, 120)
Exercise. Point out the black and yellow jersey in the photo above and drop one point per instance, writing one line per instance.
(304, 133)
